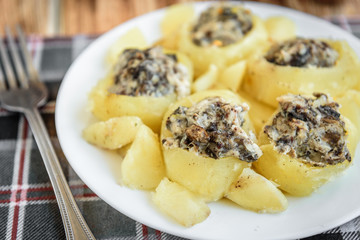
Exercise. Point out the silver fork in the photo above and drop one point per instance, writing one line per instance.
(26, 97)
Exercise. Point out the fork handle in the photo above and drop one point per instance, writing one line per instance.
(74, 223)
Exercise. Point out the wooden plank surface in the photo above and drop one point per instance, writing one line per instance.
(68, 17)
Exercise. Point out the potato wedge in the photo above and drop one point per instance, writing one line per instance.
(143, 166)
(280, 28)
(232, 76)
(179, 203)
(254, 192)
(259, 112)
(113, 133)
(265, 81)
(206, 80)
(203, 175)
(175, 17)
(131, 39)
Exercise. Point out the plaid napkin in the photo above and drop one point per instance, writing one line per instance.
(28, 209)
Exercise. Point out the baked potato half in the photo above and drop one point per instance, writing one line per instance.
(265, 80)
(201, 174)
(219, 55)
(322, 153)
(105, 104)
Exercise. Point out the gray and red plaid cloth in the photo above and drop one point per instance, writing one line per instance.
(28, 209)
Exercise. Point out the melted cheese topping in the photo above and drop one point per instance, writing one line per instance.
(309, 129)
(149, 72)
(221, 25)
(302, 52)
(212, 128)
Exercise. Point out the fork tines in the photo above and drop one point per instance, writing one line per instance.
(12, 59)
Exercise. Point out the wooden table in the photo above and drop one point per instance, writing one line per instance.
(69, 17)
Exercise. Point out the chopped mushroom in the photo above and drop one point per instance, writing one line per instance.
(221, 25)
(310, 129)
(149, 72)
(301, 52)
(212, 128)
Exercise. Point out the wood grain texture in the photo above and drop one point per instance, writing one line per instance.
(31, 14)
(98, 16)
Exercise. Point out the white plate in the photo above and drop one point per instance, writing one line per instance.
(333, 204)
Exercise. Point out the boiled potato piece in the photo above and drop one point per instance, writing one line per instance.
(175, 16)
(113, 133)
(259, 112)
(253, 191)
(206, 80)
(293, 175)
(105, 105)
(179, 203)
(350, 107)
(265, 81)
(123, 150)
(203, 175)
(232, 76)
(143, 166)
(131, 39)
(280, 28)
(202, 57)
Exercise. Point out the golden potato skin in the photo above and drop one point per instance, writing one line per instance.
(203, 175)
(265, 81)
(105, 105)
(222, 56)
(294, 176)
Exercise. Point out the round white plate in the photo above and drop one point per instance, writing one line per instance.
(333, 204)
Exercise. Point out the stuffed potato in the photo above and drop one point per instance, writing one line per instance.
(143, 84)
(212, 40)
(302, 66)
(201, 155)
(305, 144)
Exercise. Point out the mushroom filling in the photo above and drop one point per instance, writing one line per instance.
(300, 52)
(309, 129)
(221, 26)
(149, 72)
(212, 128)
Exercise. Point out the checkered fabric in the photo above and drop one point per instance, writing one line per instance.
(28, 209)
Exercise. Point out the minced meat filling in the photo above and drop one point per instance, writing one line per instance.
(301, 52)
(149, 72)
(309, 129)
(221, 26)
(212, 128)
